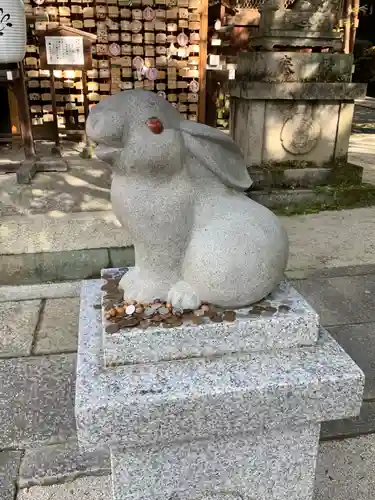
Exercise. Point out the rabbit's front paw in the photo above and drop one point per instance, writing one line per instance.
(183, 296)
(141, 288)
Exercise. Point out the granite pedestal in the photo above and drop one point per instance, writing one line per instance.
(236, 415)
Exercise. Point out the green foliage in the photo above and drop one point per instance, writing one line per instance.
(335, 198)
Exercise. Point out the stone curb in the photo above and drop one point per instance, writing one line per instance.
(58, 267)
(29, 268)
(61, 463)
(59, 232)
(43, 291)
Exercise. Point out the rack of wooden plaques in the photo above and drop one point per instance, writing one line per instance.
(150, 44)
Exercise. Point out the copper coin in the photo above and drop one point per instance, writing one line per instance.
(255, 312)
(116, 319)
(267, 314)
(129, 322)
(155, 307)
(149, 312)
(211, 314)
(216, 318)
(107, 287)
(163, 310)
(283, 308)
(258, 307)
(263, 303)
(174, 321)
(114, 294)
(164, 317)
(229, 316)
(112, 328)
(199, 312)
(270, 309)
(196, 320)
(113, 280)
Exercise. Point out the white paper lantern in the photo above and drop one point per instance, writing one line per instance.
(12, 31)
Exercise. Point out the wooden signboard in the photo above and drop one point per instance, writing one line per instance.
(66, 48)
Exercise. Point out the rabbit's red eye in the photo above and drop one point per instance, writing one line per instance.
(155, 125)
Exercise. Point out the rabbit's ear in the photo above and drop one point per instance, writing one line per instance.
(218, 152)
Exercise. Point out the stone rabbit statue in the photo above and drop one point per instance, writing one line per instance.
(178, 189)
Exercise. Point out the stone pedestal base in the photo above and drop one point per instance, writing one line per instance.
(238, 424)
(291, 115)
(293, 125)
(277, 464)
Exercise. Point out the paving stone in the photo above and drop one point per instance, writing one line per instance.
(37, 400)
(18, 321)
(9, 465)
(345, 470)
(61, 462)
(43, 291)
(32, 268)
(359, 342)
(341, 300)
(58, 330)
(351, 427)
(91, 487)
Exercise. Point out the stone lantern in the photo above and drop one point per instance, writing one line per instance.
(12, 31)
(292, 101)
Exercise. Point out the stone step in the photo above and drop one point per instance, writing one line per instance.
(46, 248)
(299, 201)
(57, 247)
(302, 176)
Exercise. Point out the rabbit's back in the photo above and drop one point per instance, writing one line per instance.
(238, 251)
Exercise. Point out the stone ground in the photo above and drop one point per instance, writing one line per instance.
(332, 263)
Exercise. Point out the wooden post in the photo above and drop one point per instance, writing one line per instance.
(86, 153)
(20, 92)
(346, 21)
(354, 23)
(85, 92)
(56, 150)
(203, 33)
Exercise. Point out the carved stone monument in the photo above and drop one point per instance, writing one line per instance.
(292, 101)
(207, 403)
